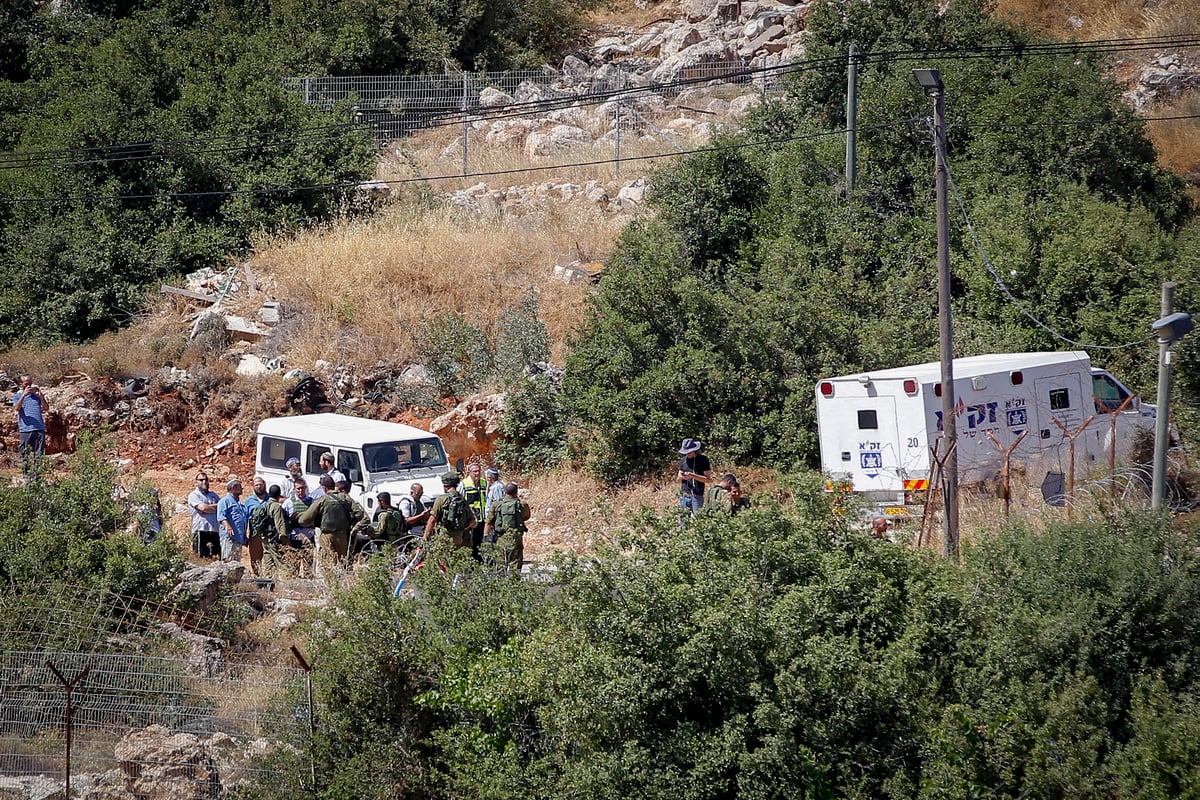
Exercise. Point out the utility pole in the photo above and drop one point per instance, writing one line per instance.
(930, 80)
(852, 119)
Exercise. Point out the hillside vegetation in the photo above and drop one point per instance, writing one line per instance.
(143, 140)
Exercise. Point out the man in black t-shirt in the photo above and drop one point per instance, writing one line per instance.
(694, 473)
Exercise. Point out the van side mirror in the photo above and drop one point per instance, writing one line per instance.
(355, 475)
(458, 465)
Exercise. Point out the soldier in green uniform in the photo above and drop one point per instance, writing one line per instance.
(451, 514)
(388, 523)
(506, 523)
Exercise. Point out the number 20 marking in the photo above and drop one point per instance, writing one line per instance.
(912, 441)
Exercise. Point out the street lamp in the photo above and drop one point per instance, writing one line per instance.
(1170, 328)
(930, 81)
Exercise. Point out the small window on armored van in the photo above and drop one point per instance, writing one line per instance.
(1060, 399)
(276, 452)
(868, 419)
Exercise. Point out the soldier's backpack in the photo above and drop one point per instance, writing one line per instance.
(456, 513)
(509, 516)
(260, 523)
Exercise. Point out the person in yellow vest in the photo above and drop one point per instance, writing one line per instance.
(474, 490)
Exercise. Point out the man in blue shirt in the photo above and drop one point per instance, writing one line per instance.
(232, 517)
(30, 403)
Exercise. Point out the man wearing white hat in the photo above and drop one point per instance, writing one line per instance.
(695, 472)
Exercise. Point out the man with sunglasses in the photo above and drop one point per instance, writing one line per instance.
(206, 539)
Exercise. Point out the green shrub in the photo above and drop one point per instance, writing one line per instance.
(70, 529)
(521, 340)
(457, 355)
(534, 426)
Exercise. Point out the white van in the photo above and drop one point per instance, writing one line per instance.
(876, 428)
(376, 456)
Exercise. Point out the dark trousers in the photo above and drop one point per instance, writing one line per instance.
(477, 540)
(206, 543)
(31, 447)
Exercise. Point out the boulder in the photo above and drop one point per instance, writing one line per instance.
(198, 587)
(472, 427)
(558, 138)
(678, 39)
(696, 10)
(633, 196)
(509, 133)
(156, 764)
(709, 59)
(576, 70)
(772, 35)
(205, 654)
(531, 92)
(491, 97)
(740, 106)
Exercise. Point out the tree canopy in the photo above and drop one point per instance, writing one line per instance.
(760, 273)
(143, 139)
(774, 654)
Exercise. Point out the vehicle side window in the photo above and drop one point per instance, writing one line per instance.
(349, 464)
(868, 419)
(1109, 395)
(312, 464)
(276, 452)
(1060, 399)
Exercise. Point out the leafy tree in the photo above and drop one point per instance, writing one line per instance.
(759, 276)
(774, 654)
(144, 151)
(69, 529)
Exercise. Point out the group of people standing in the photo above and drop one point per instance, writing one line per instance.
(472, 511)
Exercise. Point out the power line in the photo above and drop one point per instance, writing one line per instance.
(468, 176)
(145, 150)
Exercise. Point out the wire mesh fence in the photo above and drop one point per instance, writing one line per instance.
(114, 697)
(396, 106)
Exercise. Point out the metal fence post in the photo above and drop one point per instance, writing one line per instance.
(69, 688)
(617, 115)
(466, 127)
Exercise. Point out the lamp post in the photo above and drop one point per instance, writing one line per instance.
(1170, 328)
(930, 81)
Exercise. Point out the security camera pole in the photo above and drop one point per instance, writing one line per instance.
(930, 81)
(1170, 327)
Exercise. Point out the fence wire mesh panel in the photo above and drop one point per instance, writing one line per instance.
(144, 706)
(396, 106)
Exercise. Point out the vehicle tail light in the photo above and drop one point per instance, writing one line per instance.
(937, 390)
(910, 387)
(1017, 377)
(826, 389)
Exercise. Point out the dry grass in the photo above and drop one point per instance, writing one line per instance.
(624, 14)
(1100, 18)
(355, 285)
(1178, 141)
(155, 339)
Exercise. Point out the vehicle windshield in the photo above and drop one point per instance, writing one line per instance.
(397, 456)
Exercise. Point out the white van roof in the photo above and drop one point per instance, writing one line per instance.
(339, 429)
(972, 366)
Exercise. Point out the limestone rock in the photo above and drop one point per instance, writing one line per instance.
(491, 97)
(472, 427)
